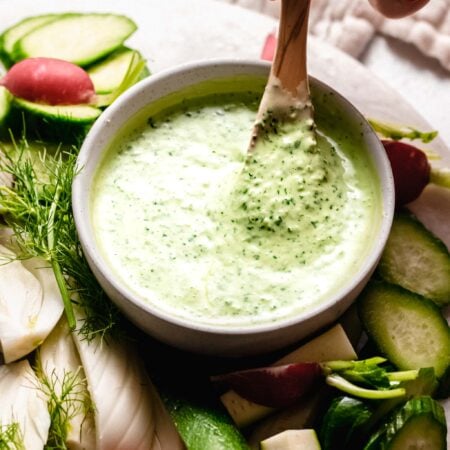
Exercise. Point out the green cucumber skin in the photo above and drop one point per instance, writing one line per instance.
(424, 385)
(109, 60)
(204, 428)
(29, 23)
(416, 259)
(20, 52)
(5, 104)
(423, 416)
(146, 72)
(5, 60)
(37, 126)
(65, 114)
(386, 309)
(344, 423)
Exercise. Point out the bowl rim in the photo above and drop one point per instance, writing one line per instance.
(83, 181)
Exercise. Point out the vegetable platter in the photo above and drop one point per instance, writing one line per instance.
(93, 382)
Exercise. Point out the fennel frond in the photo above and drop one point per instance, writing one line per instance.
(39, 211)
(67, 397)
(11, 437)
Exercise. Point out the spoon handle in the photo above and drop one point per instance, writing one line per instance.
(289, 65)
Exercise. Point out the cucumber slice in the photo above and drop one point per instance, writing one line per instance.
(424, 385)
(409, 329)
(81, 114)
(419, 425)
(78, 38)
(292, 440)
(107, 75)
(203, 427)
(417, 260)
(65, 124)
(5, 104)
(10, 36)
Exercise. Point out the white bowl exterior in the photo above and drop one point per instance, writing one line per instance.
(183, 334)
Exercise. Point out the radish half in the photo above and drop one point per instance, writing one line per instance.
(410, 168)
(50, 81)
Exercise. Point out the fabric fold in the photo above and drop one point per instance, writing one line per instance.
(351, 25)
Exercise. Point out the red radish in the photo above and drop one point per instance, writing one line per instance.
(410, 168)
(275, 386)
(50, 81)
(270, 45)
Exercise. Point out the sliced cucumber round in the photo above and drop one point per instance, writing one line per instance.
(418, 425)
(409, 329)
(77, 38)
(417, 260)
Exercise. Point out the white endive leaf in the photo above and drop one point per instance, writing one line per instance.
(30, 304)
(61, 365)
(22, 402)
(123, 397)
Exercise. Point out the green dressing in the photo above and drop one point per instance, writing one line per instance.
(203, 231)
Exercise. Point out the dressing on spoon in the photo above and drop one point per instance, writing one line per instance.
(288, 169)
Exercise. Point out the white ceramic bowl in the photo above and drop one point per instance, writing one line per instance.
(182, 333)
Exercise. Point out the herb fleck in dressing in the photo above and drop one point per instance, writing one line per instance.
(203, 231)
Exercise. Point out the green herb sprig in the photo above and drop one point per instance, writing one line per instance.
(67, 397)
(38, 208)
(11, 437)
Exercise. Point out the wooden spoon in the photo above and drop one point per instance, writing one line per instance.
(287, 91)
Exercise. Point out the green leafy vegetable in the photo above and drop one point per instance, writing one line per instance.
(366, 372)
(356, 377)
(343, 423)
(344, 385)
